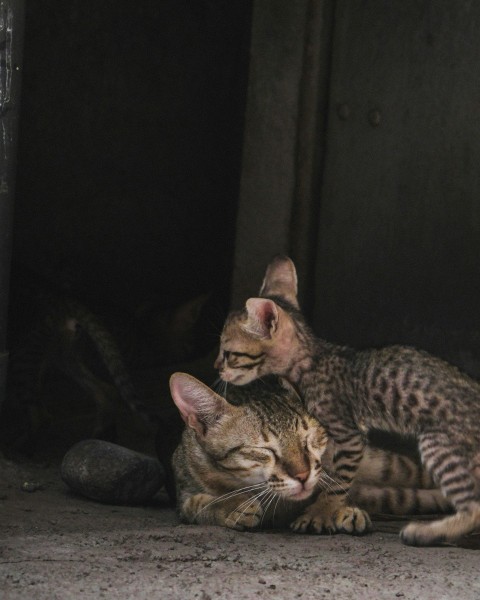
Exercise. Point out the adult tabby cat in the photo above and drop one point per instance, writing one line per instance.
(263, 460)
(396, 389)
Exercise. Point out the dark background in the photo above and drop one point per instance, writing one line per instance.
(130, 149)
(360, 145)
(130, 146)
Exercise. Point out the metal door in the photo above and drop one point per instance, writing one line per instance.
(398, 254)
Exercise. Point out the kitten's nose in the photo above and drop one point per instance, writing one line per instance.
(218, 363)
(302, 476)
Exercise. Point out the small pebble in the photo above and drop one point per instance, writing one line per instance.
(31, 486)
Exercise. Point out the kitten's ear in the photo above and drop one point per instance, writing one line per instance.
(262, 319)
(281, 280)
(199, 406)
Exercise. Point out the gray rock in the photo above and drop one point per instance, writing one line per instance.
(110, 473)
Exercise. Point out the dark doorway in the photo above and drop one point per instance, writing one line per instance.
(129, 165)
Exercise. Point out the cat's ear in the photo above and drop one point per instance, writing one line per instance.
(281, 280)
(262, 317)
(199, 406)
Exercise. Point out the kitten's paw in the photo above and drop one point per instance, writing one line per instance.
(347, 519)
(246, 517)
(449, 529)
(313, 523)
(416, 534)
(352, 520)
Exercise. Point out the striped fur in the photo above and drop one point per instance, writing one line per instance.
(261, 460)
(397, 389)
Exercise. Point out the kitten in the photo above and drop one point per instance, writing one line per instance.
(263, 460)
(397, 389)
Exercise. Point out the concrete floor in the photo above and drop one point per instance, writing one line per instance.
(57, 545)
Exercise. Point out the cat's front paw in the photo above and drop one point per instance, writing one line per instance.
(245, 517)
(195, 508)
(347, 519)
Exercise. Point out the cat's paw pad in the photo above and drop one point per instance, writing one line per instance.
(352, 520)
(245, 517)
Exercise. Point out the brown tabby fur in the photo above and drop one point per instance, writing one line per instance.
(263, 461)
(397, 389)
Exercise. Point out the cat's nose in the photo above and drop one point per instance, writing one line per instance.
(302, 477)
(218, 363)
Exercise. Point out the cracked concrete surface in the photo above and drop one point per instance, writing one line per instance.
(58, 545)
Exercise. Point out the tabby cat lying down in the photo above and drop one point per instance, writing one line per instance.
(260, 460)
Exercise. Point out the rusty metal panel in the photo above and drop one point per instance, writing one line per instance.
(399, 237)
(11, 42)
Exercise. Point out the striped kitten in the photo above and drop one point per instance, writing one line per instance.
(263, 461)
(396, 389)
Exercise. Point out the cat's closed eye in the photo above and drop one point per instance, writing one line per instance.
(263, 455)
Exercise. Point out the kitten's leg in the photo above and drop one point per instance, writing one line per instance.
(386, 468)
(450, 469)
(236, 512)
(349, 448)
(331, 512)
(378, 499)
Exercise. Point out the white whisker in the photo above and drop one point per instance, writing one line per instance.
(275, 507)
(334, 481)
(217, 383)
(232, 494)
(270, 499)
(330, 483)
(241, 508)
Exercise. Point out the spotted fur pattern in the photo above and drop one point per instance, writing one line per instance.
(397, 389)
(261, 460)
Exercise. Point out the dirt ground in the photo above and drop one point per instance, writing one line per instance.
(57, 545)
